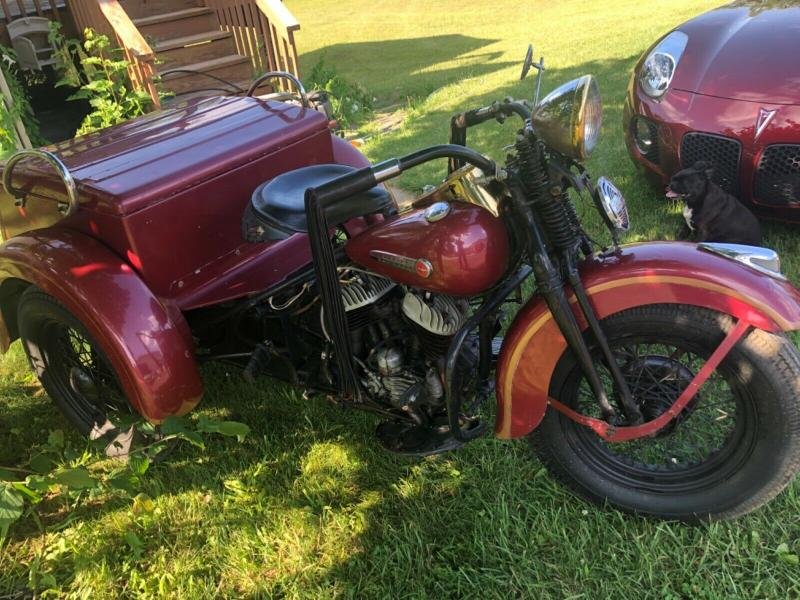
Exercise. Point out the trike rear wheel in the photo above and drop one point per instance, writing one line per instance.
(73, 369)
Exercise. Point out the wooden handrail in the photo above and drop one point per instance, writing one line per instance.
(126, 32)
(263, 30)
(109, 18)
(276, 11)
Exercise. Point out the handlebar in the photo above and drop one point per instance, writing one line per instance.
(368, 177)
(496, 110)
(60, 168)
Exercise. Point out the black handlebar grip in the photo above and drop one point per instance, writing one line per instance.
(473, 117)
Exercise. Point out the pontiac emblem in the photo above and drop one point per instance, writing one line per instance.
(764, 118)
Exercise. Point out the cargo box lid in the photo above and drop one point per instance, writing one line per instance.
(130, 166)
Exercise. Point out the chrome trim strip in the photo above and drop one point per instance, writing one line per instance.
(763, 260)
(386, 169)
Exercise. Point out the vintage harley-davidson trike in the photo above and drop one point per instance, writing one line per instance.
(655, 376)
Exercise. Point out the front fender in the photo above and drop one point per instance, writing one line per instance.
(641, 274)
(147, 342)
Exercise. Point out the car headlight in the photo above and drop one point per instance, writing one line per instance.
(658, 68)
(568, 119)
(612, 205)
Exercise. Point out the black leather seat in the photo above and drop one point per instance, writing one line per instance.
(277, 208)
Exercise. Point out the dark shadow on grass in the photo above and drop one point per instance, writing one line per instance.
(406, 68)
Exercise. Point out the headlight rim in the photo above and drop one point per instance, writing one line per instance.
(672, 46)
(561, 116)
(589, 82)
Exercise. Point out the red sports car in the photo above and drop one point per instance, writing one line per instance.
(725, 87)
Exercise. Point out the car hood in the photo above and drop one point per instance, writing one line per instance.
(743, 51)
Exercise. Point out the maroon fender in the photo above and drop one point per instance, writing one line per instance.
(148, 343)
(463, 254)
(641, 274)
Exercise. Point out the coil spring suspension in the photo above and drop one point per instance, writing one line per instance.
(553, 210)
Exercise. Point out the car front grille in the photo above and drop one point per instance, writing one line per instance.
(778, 175)
(724, 153)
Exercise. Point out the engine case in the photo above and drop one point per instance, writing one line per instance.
(463, 254)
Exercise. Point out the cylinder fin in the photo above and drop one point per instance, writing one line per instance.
(442, 315)
(364, 290)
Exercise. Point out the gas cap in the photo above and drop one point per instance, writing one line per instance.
(437, 211)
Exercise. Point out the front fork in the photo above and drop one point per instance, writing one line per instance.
(550, 284)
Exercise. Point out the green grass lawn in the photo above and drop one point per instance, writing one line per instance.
(309, 506)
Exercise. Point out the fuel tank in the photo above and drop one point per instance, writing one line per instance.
(448, 247)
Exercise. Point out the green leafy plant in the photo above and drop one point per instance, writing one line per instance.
(20, 107)
(69, 54)
(58, 470)
(102, 79)
(350, 102)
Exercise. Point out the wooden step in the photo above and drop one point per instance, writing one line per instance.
(145, 8)
(195, 48)
(179, 23)
(230, 68)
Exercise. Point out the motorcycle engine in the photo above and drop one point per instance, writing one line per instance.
(400, 337)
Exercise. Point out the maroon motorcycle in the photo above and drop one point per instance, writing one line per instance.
(242, 230)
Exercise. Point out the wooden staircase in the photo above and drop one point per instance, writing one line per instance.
(192, 51)
(196, 46)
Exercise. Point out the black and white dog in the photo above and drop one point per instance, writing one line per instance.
(711, 214)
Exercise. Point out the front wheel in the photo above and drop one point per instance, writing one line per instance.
(732, 449)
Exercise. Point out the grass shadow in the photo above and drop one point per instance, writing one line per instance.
(397, 69)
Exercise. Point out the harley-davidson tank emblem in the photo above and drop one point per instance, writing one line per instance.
(419, 266)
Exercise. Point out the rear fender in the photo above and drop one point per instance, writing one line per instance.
(148, 343)
(641, 274)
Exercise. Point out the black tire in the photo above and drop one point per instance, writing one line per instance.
(734, 448)
(73, 369)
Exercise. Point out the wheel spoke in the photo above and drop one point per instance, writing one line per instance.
(657, 374)
(71, 351)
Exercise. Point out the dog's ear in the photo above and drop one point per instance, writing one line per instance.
(704, 166)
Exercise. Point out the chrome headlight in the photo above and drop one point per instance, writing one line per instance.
(568, 119)
(612, 203)
(658, 68)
